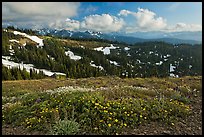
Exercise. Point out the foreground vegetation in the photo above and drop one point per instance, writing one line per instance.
(103, 105)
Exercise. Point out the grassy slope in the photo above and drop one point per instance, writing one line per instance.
(185, 91)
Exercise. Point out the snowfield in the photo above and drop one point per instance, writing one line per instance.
(93, 65)
(72, 56)
(13, 40)
(106, 50)
(33, 38)
(11, 64)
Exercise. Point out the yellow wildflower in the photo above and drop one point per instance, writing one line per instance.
(172, 124)
(125, 124)
(116, 120)
(109, 125)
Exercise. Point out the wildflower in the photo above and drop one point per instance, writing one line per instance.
(145, 117)
(116, 120)
(128, 114)
(105, 111)
(125, 112)
(172, 124)
(125, 124)
(96, 104)
(111, 113)
(165, 111)
(144, 108)
(141, 116)
(101, 120)
(109, 125)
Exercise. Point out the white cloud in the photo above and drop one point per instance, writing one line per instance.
(103, 23)
(125, 13)
(184, 27)
(40, 12)
(67, 24)
(146, 20)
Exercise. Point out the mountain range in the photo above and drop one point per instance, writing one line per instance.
(131, 38)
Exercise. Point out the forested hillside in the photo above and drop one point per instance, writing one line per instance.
(81, 58)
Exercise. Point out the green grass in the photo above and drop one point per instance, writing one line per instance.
(104, 105)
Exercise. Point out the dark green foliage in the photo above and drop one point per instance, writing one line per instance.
(18, 74)
(140, 63)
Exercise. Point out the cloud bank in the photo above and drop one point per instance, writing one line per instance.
(103, 23)
(39, 12)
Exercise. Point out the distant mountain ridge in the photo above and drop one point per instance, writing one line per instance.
(129, 39)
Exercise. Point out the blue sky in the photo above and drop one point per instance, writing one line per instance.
(106, 16)
(189, 12)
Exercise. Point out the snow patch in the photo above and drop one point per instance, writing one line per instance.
(151, 52)
(159, 63)
(138, 61)
(105, 50)
(173, 75)
(11, 64)
(33, 38)
(72, 56)
(93, 65)
(13, 40)
(50, 57)
(126, 48)
(171, 68)
(114, 62)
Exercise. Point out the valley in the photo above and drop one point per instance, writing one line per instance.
(83, 58)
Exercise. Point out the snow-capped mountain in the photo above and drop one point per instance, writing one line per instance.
(173, 38)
